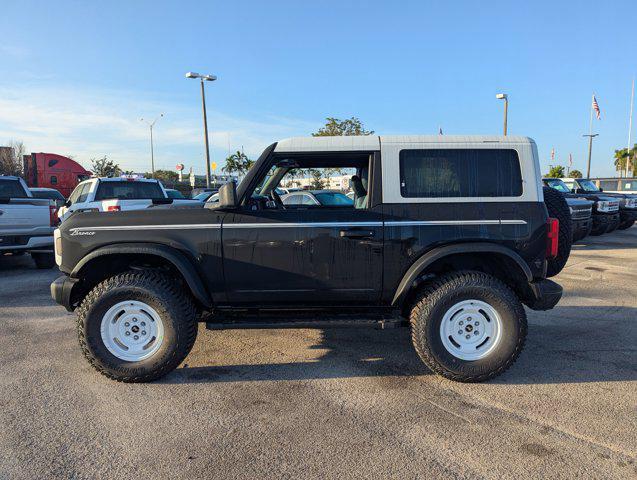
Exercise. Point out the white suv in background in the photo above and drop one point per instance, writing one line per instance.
(113, 195)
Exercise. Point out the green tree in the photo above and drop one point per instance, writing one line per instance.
(238, 163)
(623, 157)
(167, 177)
(103, 167)
(556, 171)
(316, 182)
(575, 174)
(335, 128)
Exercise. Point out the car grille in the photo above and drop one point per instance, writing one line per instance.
(581, 213)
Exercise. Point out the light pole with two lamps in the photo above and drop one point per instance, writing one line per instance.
(152, 153)
(208, 78)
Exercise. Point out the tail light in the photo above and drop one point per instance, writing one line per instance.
(114, 208)
(552, 237)
(53, 218)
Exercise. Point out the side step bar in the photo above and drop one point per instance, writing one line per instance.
(268, 323)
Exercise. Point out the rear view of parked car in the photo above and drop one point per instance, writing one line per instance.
(26, 223)
(113, 195)
(50, 193)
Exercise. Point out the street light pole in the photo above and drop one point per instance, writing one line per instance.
(590, 151)
(152, 152)
(505, 97)
(209, 78)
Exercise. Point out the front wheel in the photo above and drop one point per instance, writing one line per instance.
(136, 326)
(468, 326)
(626, 225)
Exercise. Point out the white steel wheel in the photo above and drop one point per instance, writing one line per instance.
(471, 329)
(132, 330)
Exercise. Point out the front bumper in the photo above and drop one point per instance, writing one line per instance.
(581, 228)
(628, 214)
(546, 294)
(61, 290)
(605, 221)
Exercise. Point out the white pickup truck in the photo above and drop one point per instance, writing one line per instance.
(26, 223)
(118, 194)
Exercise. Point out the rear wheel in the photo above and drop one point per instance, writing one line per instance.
(468, 326)
(136, 326)
(558, 208)
(43, 260)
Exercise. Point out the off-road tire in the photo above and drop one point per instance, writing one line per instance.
(558, 208)
(613, 226)
(626, 225)
(43, 260)
(440, 294)
(596, 232)
(160, 291)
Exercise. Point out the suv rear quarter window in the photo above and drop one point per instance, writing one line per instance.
(435, 173)
(128, 190)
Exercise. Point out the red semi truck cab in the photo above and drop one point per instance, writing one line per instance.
(50, 170)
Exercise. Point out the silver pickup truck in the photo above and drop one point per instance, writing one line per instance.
(26, 223)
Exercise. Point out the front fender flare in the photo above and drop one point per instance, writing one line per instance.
(172, 255)
(430, 257)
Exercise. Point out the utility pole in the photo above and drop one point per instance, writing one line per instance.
(590, 141)
(630, 127)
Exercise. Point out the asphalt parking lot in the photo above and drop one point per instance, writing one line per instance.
(330, 404)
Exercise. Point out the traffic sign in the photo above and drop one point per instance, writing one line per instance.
(213, 165)
(179, 167)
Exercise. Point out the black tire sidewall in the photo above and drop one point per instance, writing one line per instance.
(161, 360)
(509, 339)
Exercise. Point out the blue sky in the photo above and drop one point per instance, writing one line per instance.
(75, 77)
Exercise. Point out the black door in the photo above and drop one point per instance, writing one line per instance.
(303, 256)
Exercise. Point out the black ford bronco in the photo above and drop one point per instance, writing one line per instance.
(627, 202)
(449, 235)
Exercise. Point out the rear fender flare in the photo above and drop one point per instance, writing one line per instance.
(172, 255)
(420, 265)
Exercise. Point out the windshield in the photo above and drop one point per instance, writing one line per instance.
(12, 189)
(174, 194)
(203, 196)
(50, 194)
(129, 190)
(335, 199)
(588, 186)
(558, 185)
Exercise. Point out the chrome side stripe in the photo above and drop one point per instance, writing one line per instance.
(398, 223)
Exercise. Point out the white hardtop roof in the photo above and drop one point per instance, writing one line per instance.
(373, 142)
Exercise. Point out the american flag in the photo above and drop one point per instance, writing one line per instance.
(598, 114)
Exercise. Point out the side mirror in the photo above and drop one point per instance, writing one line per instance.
(579, 190)
(228, 195)
(601, 189)
(67, 204)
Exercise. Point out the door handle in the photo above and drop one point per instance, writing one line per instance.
(356, 233)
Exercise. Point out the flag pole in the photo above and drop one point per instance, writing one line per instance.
(630, 127)
(590, 140)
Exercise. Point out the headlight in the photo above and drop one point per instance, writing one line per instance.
(631, 203)
(570, 209)
(607, 206)
(57, 245)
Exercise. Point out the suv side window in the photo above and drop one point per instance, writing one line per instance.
(76, 193)
(435, 173)
(83, 194)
